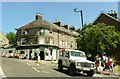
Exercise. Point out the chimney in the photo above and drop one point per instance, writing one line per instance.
(57, 22)
(77, 30)
(113, 14)
(38, 16)
(65, 26)
(72, 28)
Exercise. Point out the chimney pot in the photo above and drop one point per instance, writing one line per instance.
(113, 14)
(38, 16)
(57, 22)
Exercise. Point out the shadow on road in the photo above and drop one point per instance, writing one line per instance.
(65, 71)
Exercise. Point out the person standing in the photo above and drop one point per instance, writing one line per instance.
(97, 62)
(110, 65)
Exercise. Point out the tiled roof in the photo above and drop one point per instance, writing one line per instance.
(103, 13)
(45, 24)
(107, 19)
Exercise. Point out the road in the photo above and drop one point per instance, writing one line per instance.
(29, 68)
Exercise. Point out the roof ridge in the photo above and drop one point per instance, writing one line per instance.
(102, 12)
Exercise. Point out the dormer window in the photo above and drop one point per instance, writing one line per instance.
(24, 32)
(51, 31)
(42, 31)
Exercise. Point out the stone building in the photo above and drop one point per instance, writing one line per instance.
(3, 42)
(45, 39)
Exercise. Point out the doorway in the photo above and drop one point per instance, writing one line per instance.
(30, 57)
(41, 55)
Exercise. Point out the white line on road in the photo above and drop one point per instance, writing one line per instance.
(3, 76)
(97, 75)
(27, 63)
(35, 69)
(38, 64)
(45, 71)
(21, 61)
(1, 73)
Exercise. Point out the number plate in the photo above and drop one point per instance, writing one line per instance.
(86, 69)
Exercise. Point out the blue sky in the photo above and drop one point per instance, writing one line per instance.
(16, 14)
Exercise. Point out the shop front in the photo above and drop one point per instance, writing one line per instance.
(45, 52)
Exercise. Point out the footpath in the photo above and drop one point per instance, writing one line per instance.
(116, 71)
(107, 73)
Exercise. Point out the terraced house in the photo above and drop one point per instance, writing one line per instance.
(45, 38)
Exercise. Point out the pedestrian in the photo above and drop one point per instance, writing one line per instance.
(103, 60)
(110, 65)
(106, 63)
(97, 62)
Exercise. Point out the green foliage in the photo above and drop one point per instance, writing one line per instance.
(11, 37)
(98, 38)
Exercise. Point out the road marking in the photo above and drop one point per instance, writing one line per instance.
(97, 75)
(27, 63)
(45, 72)
(35, 69)
(21, 61)
(1, 73)
(3, 76)
(38, 64)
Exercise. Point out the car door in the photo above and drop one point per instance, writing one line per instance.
(66, 58)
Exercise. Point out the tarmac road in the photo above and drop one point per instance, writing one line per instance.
(29, 68)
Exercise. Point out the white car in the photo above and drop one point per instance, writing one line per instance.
(75, 60)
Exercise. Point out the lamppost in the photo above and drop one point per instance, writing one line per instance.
(80, 13)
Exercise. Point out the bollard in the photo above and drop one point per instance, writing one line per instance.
(38, 59)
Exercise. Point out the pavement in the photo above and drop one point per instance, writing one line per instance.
(107, 73)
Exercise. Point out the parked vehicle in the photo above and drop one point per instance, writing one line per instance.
(75, 61)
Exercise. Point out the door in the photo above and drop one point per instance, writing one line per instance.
(42, 55)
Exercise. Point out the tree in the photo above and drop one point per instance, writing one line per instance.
(11, 37)
(98, 38)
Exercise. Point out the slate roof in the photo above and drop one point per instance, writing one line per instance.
(107, 19)
(45, 24)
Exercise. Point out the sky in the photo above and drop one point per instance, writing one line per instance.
(16, 14)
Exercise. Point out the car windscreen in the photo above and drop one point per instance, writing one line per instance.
(78, 54)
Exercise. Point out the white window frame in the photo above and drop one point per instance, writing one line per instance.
(41, 40)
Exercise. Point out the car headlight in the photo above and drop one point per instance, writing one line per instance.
(92, 65)
(78, 64)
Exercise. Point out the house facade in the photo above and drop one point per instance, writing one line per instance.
(3, 42)
(3, 39)
(45, 39)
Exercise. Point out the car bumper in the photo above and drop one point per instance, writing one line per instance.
(84, 69)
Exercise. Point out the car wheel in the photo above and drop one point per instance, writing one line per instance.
(72, 70)
(60, 67)
(90, 73)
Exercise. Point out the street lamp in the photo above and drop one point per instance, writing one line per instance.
(80, 13)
